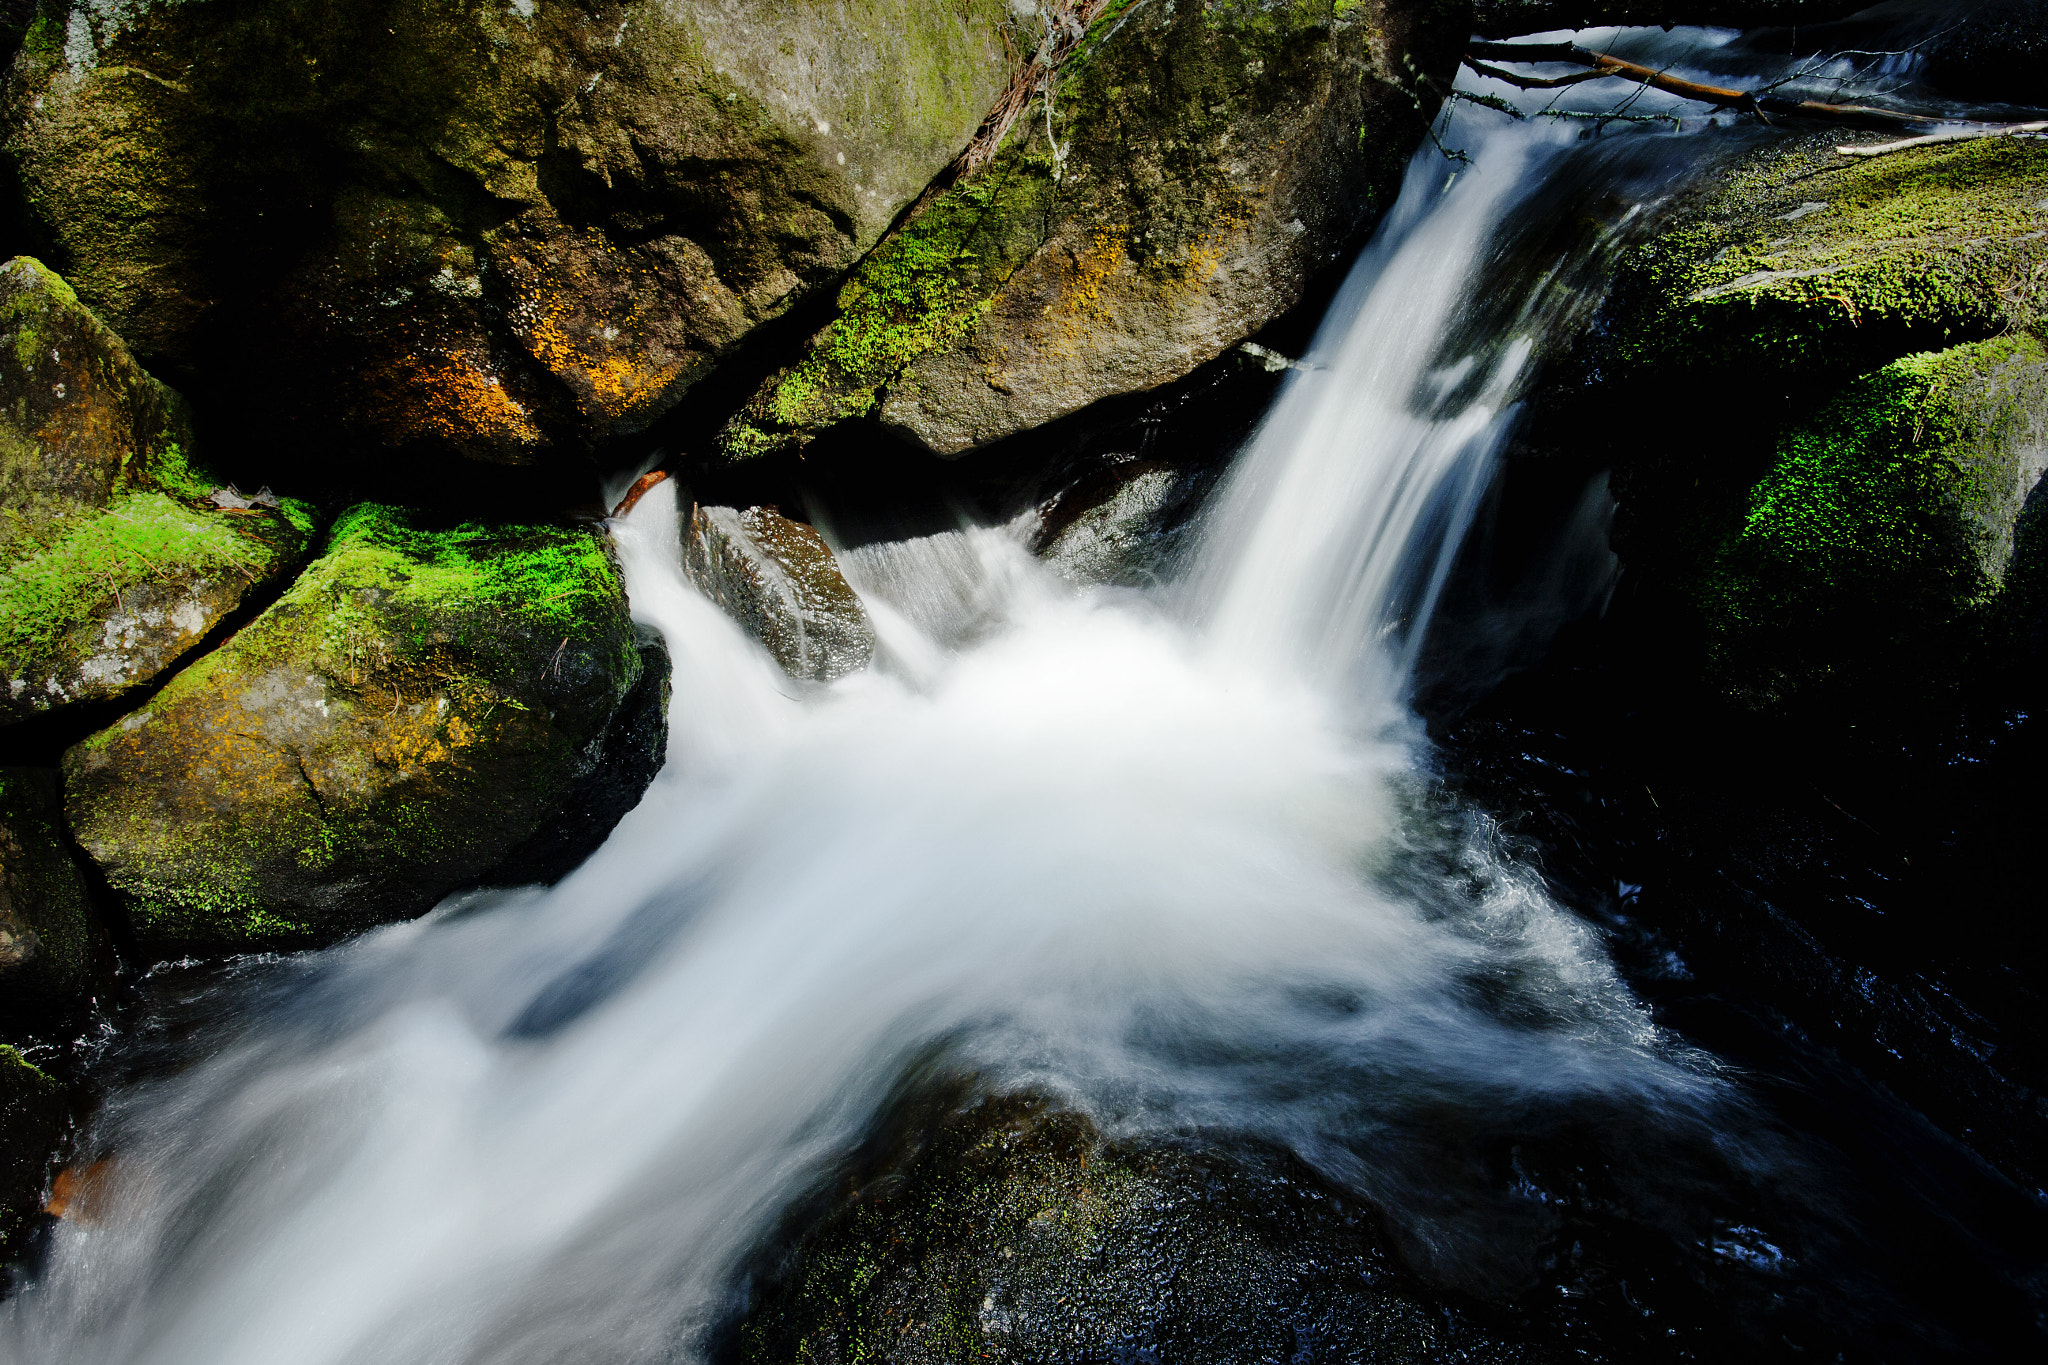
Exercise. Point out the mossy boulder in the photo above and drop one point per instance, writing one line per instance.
(488, 227)
(50, 945)
(415, 708)
(114, 560)
(778, 578)
(1016, 1232)
(1171, 190)
(1886, 531)
(34, 1117)
(1850, 530)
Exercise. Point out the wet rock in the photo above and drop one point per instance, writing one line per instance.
(114, 560)
(1122, 527)
(778, 578)
(1018, 1233)
(482, 228)
(49, 943)
(1194, 167)
(416, 706)
(34, 1117)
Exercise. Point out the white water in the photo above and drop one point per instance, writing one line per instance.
(1157, 856)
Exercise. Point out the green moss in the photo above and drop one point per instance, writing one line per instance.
(920, 290)
(140, 536)
(1876, 523)
(1905, 252)
(547, 578)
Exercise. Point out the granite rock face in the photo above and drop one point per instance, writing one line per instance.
(1171, 189)
(115, 558)
(416, 707)
(489, 228)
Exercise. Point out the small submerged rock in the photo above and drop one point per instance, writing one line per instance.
(116, 556)
(416, 707)
(778, 578)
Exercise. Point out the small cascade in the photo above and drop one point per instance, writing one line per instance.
(1131, 850)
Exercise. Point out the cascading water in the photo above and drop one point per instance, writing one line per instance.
(1163, 856)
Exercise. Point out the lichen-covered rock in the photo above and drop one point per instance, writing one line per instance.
(34, 1116)
(779, 579)
(416, 706)
(1018, 1234)
(1886, 528)
(1188, 170)
(488, 226)
(113, 562)
(49, 942)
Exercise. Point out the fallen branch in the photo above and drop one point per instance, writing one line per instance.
(1951, 135)
(1604, 64)
(639, 490)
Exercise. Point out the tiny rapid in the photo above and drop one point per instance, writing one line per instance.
(1172, 857)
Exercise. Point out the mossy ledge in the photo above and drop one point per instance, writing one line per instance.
(419, 703)
(114, 560)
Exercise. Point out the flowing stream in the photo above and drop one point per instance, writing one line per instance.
(1172, 857)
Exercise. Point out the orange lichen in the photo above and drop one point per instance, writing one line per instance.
(455, 399)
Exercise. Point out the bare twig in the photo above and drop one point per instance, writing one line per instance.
(1950, 135)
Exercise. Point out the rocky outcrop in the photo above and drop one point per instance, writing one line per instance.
(486, 227)
(416, 707)
(778, 578)
(1183, 175)
(115, 560)
(49, 943)
(1017, 1233)
(1856, 523)
(34, 1117)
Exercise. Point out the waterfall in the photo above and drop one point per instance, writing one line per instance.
(1136, 851)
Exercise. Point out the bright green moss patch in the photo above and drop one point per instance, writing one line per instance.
(139, 537)
(548, 578)
(1884, 519)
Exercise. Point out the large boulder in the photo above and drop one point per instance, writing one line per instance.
(1019, 1234)
(115, 560)
(778, 578)
(1854, 525)
(34, 1116)
(417, 707)
(1171, 189)
(485, 227)
(50, 946)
